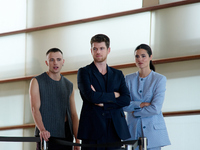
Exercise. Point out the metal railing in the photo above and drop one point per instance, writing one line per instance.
(141, 142)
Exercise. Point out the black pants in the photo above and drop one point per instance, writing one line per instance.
(110, 137)
(54, 146)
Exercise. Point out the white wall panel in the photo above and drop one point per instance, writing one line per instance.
(12, 49)
(56, 11)
(12, 15)
(29, 145)
(77, 97)
(27, 107)
(183, 79)
(183, 132)
(182, 94)
(12, 103)
(125, 34)
(11, 145)
(175, 31)
(168, 1)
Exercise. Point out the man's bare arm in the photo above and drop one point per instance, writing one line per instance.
(35, 106)
(75, 120)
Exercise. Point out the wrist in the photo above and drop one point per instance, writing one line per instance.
(42, 130)
(77, 141)
(141, 105)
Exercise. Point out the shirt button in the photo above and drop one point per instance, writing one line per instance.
(141, 79)
(144, 127)
(140, 91)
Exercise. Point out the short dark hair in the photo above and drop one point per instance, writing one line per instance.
(149, 52)
(100, 38)
(54, 50)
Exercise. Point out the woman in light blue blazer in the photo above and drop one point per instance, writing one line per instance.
(147, 91)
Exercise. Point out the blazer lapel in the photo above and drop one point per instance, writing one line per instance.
(98, 76)
(110, 83)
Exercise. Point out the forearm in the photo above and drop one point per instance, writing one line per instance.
(153, 108)
(88, 94)
(123, 98)
(38, 119)
(148, 111)
(97, 97)
(134, 106)
(44, 134)
(75, 122)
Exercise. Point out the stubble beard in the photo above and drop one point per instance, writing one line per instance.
(100, 60)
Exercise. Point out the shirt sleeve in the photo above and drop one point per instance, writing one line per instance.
(134, 106)
(157, 101)
(84, 85)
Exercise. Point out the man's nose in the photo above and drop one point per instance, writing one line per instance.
(98, 50)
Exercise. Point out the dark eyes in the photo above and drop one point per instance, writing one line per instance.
(58, 59)
(101, 48)
(137, 56)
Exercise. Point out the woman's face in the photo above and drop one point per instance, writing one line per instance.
(142, 59)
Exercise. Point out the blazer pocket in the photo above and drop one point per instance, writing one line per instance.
(159, 126)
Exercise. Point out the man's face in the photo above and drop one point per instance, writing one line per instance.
(55, 62)
(99, 51)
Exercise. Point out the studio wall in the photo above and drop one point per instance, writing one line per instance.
(171, 32)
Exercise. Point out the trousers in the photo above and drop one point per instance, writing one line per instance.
(110, 137)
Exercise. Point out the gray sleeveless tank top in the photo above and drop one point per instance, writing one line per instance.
(55, 104)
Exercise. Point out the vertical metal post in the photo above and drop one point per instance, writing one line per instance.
(44, 145)
(143, 145)
(140, 146)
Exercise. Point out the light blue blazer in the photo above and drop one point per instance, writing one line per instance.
(150, 119)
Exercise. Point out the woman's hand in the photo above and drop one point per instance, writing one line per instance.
(144, 104)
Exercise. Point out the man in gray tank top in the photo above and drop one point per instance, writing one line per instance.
(52, 103)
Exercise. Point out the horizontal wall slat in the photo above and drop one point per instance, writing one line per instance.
(181, 113)
(130, 12)
(160, 61)
(24, 126)
(165, 114)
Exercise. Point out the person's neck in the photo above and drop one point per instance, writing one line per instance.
(54, 76)
(144, 72)
(102, 67)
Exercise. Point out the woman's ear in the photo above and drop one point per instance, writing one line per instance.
(151, 57)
